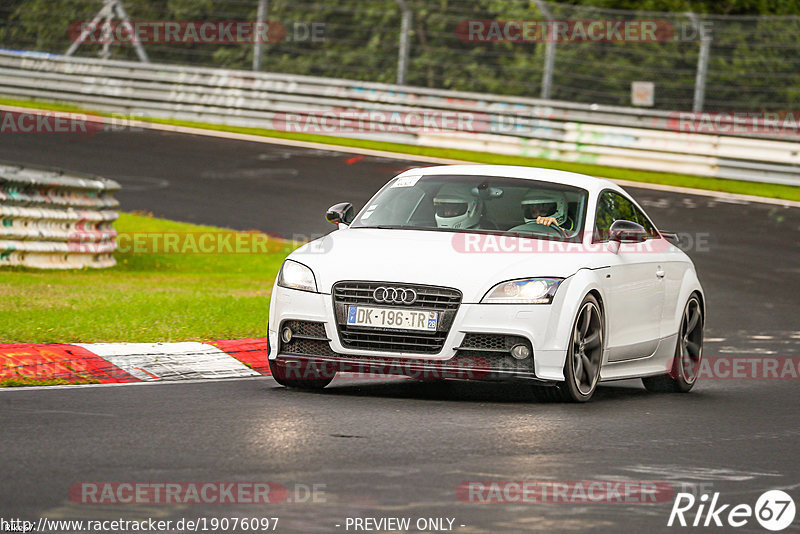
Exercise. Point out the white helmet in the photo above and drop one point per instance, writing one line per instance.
(457, 207)
(545, 204)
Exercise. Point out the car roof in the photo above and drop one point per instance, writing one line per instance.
(584, 181)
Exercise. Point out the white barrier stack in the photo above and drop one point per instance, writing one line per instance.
(53, 220)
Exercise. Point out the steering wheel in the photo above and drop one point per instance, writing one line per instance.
(545, 229)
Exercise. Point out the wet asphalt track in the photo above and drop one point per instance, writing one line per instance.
(396, 447)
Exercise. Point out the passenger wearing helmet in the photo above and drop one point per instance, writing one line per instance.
(547, 208)
(457, 207)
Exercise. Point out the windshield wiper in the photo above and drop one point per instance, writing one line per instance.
(394, 227)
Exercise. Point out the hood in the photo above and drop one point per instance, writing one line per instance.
(472, 263)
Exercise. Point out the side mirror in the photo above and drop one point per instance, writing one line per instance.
(341, 213)
(627, 232)
(672, 237)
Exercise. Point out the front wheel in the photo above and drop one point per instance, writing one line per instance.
(685, 364)
(584, 357)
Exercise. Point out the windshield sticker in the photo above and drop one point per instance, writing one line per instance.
(370, 211)
(407, 181)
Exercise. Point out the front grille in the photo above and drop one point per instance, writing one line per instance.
(493, 351)
(428, 297)
(441, 299)
(308, 338)
(307, 347)
(307, 329)
(491, 342)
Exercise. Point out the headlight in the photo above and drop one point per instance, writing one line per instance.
(524, 291)
(297, 276)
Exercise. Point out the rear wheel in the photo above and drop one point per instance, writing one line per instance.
(584, 356)
(304, 377)
(688, 353)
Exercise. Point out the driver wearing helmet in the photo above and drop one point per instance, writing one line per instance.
(457, 207)
(547, 208)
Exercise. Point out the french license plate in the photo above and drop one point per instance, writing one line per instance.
(389, 318)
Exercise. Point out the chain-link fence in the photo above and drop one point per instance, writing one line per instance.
(514, 47)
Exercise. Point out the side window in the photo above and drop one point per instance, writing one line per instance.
(614, 207)
(636, 215)
(642, 219)
(605, 216)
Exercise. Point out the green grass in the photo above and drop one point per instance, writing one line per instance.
(146, 297)
(681, 180)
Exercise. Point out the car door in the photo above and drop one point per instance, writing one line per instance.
(633, 282)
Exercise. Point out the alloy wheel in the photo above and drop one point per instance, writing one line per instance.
(690, 344)
(587, 348)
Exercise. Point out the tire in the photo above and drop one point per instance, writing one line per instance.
(688, 353)
(584, 357)
(279, 374)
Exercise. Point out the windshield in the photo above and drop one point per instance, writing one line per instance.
(477, 204)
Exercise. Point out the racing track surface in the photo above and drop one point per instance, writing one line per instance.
(395, 447)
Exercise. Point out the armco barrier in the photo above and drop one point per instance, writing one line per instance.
(624, 137)
(53, 220)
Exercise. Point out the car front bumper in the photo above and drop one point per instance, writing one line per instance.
(476, 346)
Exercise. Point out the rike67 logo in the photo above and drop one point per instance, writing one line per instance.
(774, 510)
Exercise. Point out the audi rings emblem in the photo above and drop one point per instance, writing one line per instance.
(394, 295)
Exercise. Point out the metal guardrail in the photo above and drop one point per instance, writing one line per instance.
(603, 135)
(53, 220)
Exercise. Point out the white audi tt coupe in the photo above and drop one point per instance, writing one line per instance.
(553, 280)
